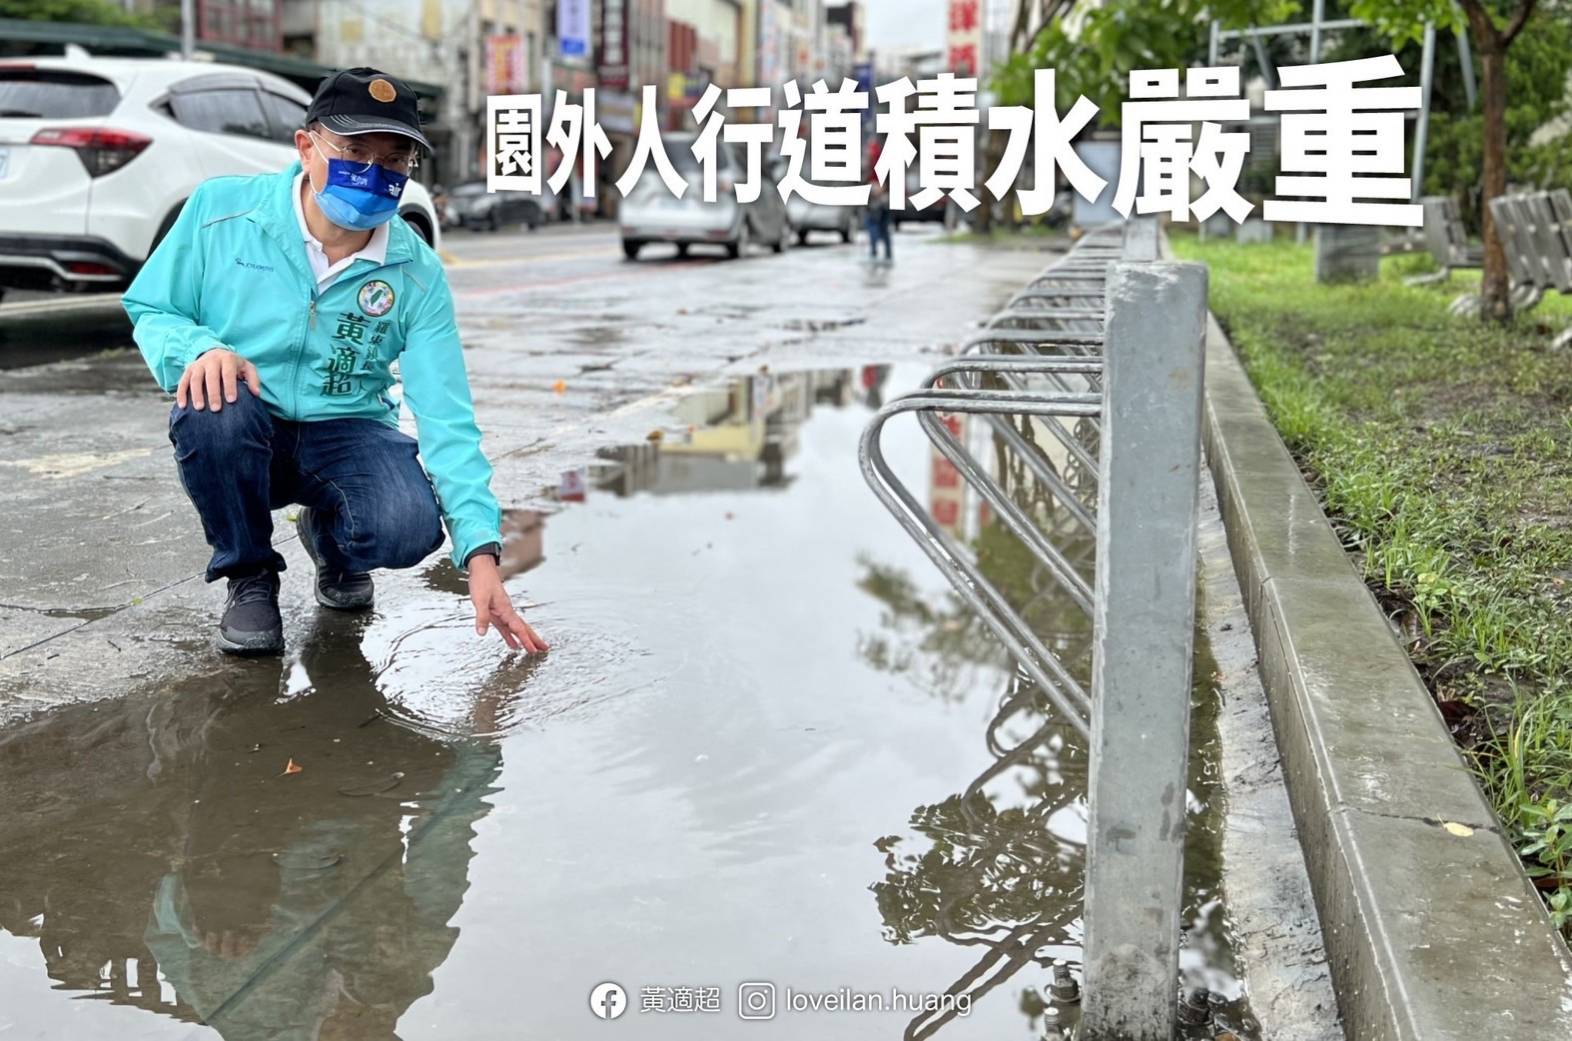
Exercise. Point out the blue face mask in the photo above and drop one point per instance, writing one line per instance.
(359, 199)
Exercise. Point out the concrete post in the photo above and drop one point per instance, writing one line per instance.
(1140, 239)
(1141, 659)
(1347, 253)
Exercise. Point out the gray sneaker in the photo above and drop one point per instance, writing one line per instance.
(340, 590)
(251, 624)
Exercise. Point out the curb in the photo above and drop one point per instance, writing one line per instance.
(1432, 930)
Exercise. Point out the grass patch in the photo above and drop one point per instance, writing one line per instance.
(1442, 451)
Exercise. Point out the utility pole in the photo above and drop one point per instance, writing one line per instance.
(187, 28)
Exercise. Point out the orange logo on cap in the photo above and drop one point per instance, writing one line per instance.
(382, 90)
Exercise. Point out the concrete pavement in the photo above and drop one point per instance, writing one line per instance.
(571, 350)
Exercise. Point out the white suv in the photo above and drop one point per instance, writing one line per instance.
(97, 155)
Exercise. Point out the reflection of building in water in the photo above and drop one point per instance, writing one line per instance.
(739, 436)
(947, 491)
(523, 541)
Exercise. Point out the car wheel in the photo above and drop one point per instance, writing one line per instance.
(737, 246)
(630, 249)
(494, 223)
(163, 229)
(846, 232)
(802, 237)
(418, 225)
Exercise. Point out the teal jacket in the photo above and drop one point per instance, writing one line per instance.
(233, 273)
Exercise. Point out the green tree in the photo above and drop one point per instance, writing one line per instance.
(1094, 58)
(93, 12)
(1493, 25)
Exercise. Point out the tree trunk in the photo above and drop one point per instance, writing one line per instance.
(1494, 290)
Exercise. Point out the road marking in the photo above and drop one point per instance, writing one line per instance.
(592, 276)
(467, 265)
(66, 304)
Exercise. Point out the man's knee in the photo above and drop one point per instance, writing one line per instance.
(404, 529)
(239, 423)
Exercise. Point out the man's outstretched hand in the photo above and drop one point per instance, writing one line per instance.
(493, 608)
(215, 378)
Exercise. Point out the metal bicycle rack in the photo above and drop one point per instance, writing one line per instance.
(1101, 354)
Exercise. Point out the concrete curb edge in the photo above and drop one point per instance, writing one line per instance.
(1432, 929)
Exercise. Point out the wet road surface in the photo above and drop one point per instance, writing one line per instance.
(755, 753)
(766, 745)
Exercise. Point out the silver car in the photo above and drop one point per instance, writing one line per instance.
(808, 216)
(650, 213)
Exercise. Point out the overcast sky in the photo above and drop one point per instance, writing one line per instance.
(906, 23)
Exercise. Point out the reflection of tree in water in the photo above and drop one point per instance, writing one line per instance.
(941, 644)
(1000, 866)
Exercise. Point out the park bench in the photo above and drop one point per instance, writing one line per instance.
(1535, 229)
(1447, 240)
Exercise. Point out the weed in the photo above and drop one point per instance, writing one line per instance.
(1442, 449)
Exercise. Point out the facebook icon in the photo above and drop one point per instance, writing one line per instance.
(608, 1000)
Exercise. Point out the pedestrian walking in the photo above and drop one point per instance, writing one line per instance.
(878, 222)
(273, 311)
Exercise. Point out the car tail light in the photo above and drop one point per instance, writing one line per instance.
(89, 267)
(100, 150)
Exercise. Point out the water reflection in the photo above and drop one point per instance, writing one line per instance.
(999, 865)
(739, 436)
(253, 848)
(161, 854)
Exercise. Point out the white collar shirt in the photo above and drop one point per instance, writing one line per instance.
(375, 250)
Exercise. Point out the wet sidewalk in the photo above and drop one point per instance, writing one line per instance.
(570, 351)
(755, 754)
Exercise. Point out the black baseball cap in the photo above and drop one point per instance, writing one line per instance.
(366, 101)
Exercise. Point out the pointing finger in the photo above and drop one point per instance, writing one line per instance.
(532, 641)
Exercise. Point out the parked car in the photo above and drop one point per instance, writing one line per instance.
(934, 211)
(474, 207)
(650, 213)
(97, 155)
(811, 216)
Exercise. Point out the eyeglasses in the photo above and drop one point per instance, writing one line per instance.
(360, 156)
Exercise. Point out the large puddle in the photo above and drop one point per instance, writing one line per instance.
(770, 756)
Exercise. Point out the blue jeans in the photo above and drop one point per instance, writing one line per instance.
(372, 504)
(878, 230)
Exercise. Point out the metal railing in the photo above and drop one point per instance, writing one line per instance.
(1101, 354)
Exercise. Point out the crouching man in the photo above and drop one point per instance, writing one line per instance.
(273, 310)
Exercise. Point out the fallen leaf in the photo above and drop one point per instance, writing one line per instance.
(1462, 831)
(560, 387)
(291, 767)
(654, 435)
